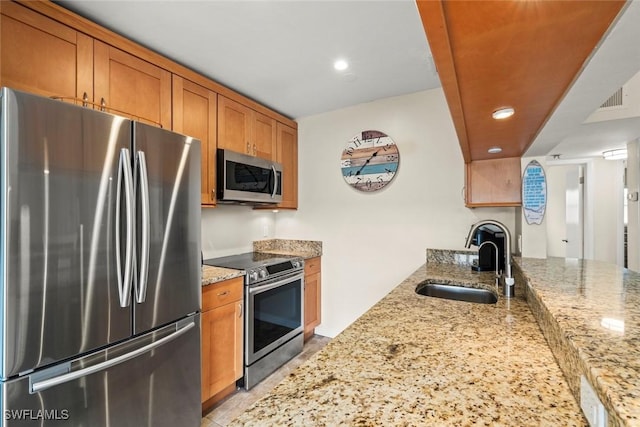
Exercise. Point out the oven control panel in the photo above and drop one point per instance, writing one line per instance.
(272, 271)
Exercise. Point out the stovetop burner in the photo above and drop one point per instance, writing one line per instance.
(259, 266)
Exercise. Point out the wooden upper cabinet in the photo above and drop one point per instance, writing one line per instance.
(194, 114)
(287, 155)
(127, 85)
(493, 183)
(234, 125)
(42, 56)
(264, 137)
(244, 130)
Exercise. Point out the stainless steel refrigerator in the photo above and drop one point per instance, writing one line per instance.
(100, 268)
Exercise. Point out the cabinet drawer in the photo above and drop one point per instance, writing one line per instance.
(222, 293)
(312, 266)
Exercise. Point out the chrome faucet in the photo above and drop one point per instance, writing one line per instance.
(509, 282)
(489, 242)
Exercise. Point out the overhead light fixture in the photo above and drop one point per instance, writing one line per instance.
(340, 65)
(494, 150)
(617, 154)
(503, 113)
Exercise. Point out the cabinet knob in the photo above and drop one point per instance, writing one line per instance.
(103, 104)
(248, 147)
(240, 307)
(85, 99)
(213, 194)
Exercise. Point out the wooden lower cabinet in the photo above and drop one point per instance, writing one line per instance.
(222, 333)
(312, 312)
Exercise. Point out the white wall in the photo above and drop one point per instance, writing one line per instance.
(228, 229)
(371, 242)
(608, 210)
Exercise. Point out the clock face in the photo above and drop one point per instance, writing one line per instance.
(369, 161)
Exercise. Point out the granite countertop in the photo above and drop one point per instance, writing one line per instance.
(211, 275)
(590, 313)
(415, 360)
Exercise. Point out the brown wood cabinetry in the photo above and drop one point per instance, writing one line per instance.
(42, 56)
(48, 50)
(222, 332)
(311, 296)
(244, 130)
(194, 114)
(493, 183)
(287, 155)
(129, 86)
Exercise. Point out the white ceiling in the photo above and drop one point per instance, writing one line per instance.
(280, 53)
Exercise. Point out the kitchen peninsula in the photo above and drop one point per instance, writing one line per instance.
(415, 360)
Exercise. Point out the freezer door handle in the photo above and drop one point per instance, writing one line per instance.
(124, 279)
(37, 386)
(141, 293)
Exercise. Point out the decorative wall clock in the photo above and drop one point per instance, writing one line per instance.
(369, 161)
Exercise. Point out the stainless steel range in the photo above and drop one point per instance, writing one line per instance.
(274, 301)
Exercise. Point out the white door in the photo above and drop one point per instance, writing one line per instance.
(574, 212)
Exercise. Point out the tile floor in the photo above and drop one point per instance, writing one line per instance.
(237, 403)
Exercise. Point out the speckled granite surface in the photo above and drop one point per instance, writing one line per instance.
(212, 275)
(302, 248)
(577, 302)
(413, 360)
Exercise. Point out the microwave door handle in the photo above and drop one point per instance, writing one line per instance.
(275, 182)
(141, 293)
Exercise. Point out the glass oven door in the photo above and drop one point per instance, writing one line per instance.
(274, 315)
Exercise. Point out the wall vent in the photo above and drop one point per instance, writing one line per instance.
(614, 101)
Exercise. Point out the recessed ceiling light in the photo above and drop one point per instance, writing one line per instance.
(503, 113)
(340, 65)
(494, 150)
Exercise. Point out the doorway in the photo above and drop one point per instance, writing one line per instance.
(565, 211)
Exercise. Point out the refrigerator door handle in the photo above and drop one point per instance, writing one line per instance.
(141, 293)
(124, 280)
(38, 386)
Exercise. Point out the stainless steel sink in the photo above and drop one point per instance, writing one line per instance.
(458, 293)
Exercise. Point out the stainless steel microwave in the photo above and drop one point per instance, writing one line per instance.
(244, 179)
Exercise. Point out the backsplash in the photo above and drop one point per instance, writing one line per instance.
(305, 248)
(447, 256)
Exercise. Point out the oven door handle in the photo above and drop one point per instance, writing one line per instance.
(282, 281)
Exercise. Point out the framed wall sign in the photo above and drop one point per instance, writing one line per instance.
(534, 192)
(369, 161)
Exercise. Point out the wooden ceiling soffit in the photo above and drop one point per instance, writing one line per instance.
(519, 53)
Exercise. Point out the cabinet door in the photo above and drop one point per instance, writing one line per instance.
(287, 154)
(234, 126)
(127, 85)
(194, 114)
(221, 348)
(265, 137)
(495, 182)
(312, 296)
(42, 56)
